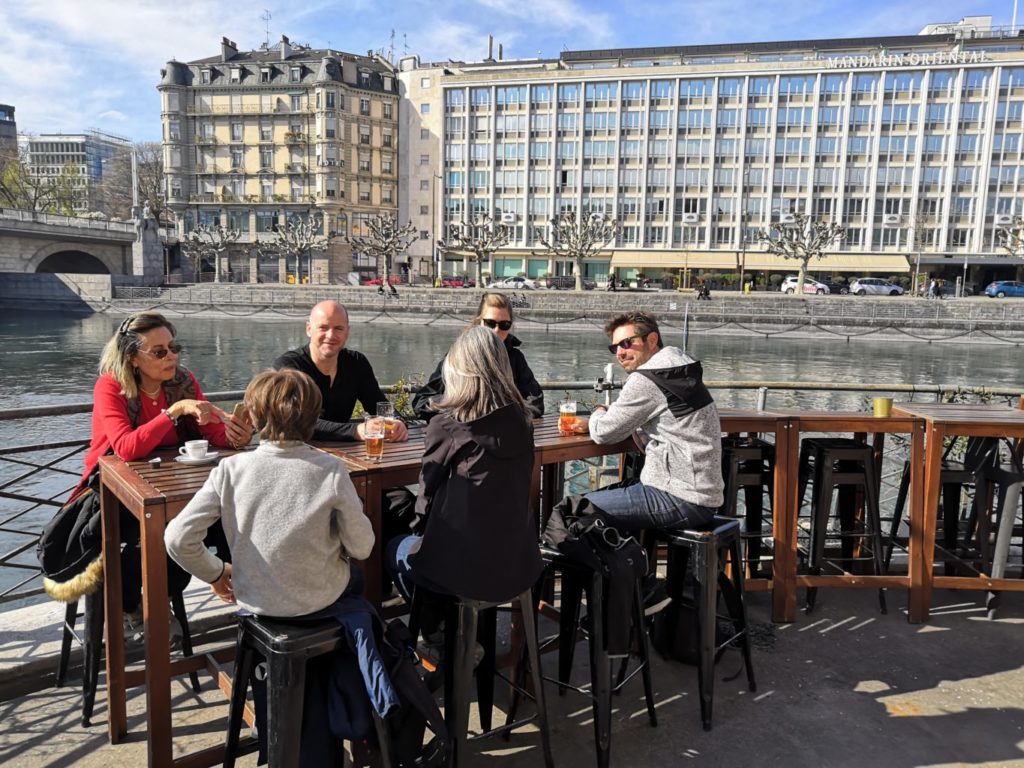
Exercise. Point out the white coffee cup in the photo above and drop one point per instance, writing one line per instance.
(195, 449)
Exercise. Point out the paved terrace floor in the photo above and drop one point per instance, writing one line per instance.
(845, 686)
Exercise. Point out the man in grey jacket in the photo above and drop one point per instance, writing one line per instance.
(666, 407)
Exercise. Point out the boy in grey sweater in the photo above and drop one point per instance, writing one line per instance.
(290, 513)
(666, 407)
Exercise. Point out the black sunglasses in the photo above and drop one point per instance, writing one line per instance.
(163, 352)
(626, 343)
(492, 324)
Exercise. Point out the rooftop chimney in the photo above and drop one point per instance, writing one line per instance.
(286, 48)
(500, 52)
(227, 49)
(490, 47)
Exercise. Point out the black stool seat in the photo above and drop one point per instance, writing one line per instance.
(466, 620)
(92, 646)
(843, 464)
(748, 464)
(286, 647)
(710, 546)
(577, 580)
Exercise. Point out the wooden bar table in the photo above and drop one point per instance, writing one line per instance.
(942, 420)
(863, 423)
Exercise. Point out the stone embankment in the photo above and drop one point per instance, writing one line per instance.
(974, 320)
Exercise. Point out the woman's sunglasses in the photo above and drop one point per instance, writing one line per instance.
(492, 324)
(163, 352)
(626, 343)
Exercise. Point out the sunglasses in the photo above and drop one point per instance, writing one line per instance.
(626, 343)
(163, 352)
(492, 324)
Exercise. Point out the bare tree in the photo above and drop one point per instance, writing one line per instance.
(207, 243)
(300, 237)
(1011, 238)
(579, 239)
(802, 240)
(45, 194)
(478, 238)
(386, 241)
(113, 195)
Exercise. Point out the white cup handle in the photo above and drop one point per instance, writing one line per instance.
(182, 451)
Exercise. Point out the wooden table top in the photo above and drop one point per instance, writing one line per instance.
(966, 415)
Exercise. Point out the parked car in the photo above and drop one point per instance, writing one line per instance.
(810, 286)
(874, 285)
(515, 284)
(567, 283)
(840, 289)
(1000, 289)
(392, 279)
(457, 282)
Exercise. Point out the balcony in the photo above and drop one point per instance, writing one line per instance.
(295, 137)
(206, 140)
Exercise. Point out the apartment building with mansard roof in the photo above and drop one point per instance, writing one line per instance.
(254, 139)
(913, 143)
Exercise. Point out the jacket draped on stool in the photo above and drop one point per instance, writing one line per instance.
(481, 537)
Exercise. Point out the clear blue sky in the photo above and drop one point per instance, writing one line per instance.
(67, 65)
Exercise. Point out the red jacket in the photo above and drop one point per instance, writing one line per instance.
(112, 428)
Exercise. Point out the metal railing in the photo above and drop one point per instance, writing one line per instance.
(35, 479)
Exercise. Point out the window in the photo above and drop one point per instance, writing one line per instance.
(388, 108)
(364, 107)
(236, 74)
(264, 77)
(364, 134)
(424, 82)
(237, 158)
(386, 139)
(387, 166)
(296, 103)
(204, 77)
(331, 96)
(424, 159)
(236, 131)
(173, 130)
(266, 221)
(295, 74)
(425, 108)
(424, 185)
(540, 95)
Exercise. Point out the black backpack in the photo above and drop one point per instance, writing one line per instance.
(71, 542)
(418, 710)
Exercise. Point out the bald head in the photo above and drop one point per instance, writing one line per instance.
(327, 329)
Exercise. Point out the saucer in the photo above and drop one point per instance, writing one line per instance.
(210, 456)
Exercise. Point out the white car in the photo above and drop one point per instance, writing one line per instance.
(514, 284)
(810, 286)
(874, 285)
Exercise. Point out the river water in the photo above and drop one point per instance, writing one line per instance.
(46, 358)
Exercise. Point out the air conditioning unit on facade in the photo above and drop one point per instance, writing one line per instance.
(691, 218)
(1003, 220)
(508, 218)
(891, 219)
(787, 218)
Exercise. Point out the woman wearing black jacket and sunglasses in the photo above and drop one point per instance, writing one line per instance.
(494, 312)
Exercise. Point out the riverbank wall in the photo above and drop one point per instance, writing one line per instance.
(970, 320)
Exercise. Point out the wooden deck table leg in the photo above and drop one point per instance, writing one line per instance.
(922, 529)
(156, 614)
(369, 488)
(117, 720)
(784, 518)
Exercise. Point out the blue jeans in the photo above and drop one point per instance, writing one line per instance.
(637, 507)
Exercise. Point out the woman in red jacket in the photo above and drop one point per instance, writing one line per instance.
(144, 400)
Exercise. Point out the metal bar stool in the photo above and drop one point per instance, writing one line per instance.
(710, 547)
(578, 580)
(748, 463)
(843, 464)
(1007, 505)
(286, 648)
(92, 646)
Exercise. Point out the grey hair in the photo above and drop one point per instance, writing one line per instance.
(478, 377)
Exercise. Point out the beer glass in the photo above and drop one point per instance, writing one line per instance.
(386, 411)
(373, 437)
(566, 417)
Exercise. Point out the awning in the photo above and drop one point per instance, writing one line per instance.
(854, 262)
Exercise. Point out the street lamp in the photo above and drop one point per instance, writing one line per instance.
(435, 266)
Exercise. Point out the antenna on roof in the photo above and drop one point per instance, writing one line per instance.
(266, 16)
(391, 46)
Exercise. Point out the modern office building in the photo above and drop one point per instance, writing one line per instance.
(84, 155)
(912, 143)
(255, 139)
(8, 129)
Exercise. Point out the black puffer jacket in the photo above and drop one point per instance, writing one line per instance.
(523, 377)
(481, 536)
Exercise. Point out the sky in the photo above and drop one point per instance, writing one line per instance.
(69, 65)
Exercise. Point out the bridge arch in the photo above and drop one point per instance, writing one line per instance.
(65, 257)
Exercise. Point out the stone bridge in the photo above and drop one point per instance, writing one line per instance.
(42, 242)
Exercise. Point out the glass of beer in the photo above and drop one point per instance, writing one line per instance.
(386, 410)
(566, 417)
(373, 437)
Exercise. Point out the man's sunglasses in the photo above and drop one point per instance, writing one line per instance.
(626, 343)
(492, 324)
(163, 352)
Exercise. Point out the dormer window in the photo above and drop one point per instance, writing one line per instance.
(295, 74)
(387, 83)
(204, 76)
(265, 74)
(364, 79)
(236, 74)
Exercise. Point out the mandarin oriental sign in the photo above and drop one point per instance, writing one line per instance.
(877, 60)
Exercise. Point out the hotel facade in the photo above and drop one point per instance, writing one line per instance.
(912, 143)
(254, 140)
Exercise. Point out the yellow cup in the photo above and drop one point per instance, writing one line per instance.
(882, 407)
